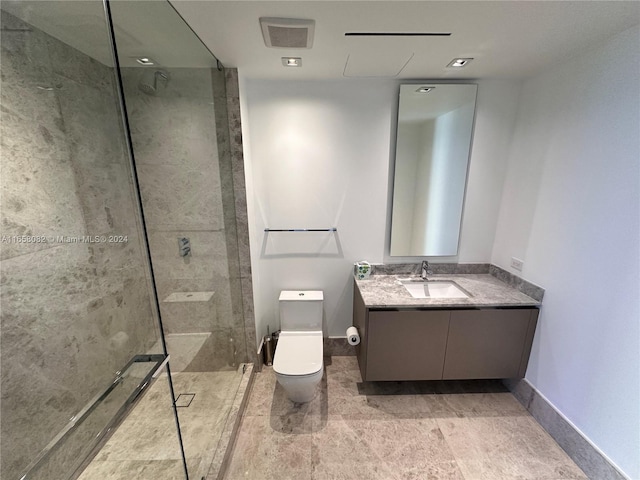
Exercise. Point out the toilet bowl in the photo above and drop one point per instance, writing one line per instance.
(298, 364)
(298, 359)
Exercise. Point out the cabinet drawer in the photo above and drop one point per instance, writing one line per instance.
(406, 345)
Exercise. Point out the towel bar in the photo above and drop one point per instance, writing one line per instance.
(333, 229)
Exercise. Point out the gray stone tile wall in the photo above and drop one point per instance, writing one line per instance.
(184, 158)
(242, 221)
(72, 313)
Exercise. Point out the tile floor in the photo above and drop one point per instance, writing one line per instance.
(145, 445)
(392, 430)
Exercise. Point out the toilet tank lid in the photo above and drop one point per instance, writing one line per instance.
(301, 295)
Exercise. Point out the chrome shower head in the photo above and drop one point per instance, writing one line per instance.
(152, 81)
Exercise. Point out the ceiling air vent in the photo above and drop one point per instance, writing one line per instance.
(287, 32)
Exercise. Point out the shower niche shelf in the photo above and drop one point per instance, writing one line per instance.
(176, 297)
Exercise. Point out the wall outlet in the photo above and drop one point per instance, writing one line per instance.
(517, 263)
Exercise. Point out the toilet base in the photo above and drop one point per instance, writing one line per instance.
(302, 397)
(300, 389)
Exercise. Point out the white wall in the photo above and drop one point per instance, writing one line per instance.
(571, 210)
(317, 155)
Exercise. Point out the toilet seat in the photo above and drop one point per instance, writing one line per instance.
(298, 354)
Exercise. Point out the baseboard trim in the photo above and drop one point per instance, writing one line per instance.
(593, 461)
(337, 347)
(331, 347)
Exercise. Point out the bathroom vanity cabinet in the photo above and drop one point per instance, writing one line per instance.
(443, 343)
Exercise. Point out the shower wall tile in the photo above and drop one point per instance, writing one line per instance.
(175, 124)
(31, 196)
(170, 117)
(99, 160)
(177, 116)
(226, 316)
(208, 254)
(103, 206)
(85, 111)
(239, 179)
(192, 151)
(33, 137)
(222, 124)
(72, 64)
(31, 97)
(189, 317)
(222, 350)
(243, 247)
(37, 394)
(233, 87)
(242, 353)
(21, 43)
(181, 150)
(80, 301)
(237, 308)
(68, 325)
(242, 224)
(72, 313)
(237, 163)
(193, 84)
(249, 320)
(187, 156)
(229, 195)
(180, 197)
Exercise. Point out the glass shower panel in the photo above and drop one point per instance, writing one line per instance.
(78, 320)
(142, 447)
(176, 109)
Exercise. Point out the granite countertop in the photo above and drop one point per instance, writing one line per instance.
(486, 291)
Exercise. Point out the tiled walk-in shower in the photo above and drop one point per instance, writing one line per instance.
(106, 164)
(207, 403)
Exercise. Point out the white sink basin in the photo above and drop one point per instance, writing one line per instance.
(443, 289)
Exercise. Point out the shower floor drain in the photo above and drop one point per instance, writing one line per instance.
(184, 399)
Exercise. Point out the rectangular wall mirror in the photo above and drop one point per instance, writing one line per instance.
(435, 125)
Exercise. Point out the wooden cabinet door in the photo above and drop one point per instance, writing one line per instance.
(487, 343)
(406, 345)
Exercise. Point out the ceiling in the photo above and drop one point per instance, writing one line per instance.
(507, 39)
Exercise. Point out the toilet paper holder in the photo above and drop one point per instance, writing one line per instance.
(353, 336)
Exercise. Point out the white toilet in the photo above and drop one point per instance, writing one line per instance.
(298, 359)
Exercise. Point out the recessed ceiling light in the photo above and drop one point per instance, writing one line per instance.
(459, 62)
(424, 89)
(292, 61)
(146, 61)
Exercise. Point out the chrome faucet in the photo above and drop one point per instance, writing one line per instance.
(426, 271)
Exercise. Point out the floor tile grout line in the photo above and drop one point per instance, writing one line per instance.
(368, 417)
(453, 455)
